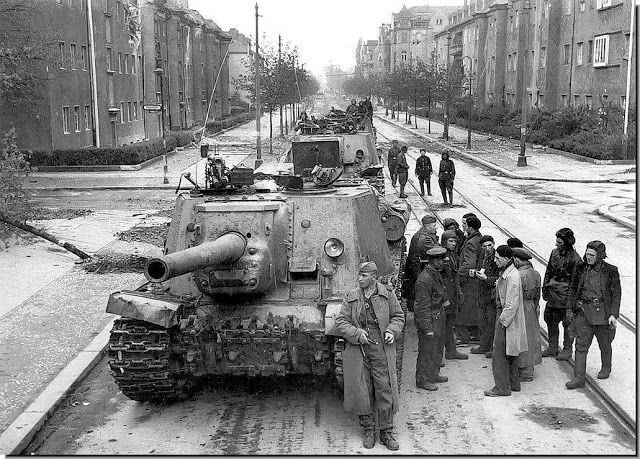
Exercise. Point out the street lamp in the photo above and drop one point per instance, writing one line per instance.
(445, 133)
(522, 159)
(159, 71)
(470, 101)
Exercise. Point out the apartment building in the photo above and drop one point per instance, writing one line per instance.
(564, 52)
(117, 72)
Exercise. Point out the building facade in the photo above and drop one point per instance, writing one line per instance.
(563, 52)
(240, 55)
(118, 72)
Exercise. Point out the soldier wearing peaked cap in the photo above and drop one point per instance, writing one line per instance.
(370, 321)
(424, 239)
(530, 281)
(429, 315)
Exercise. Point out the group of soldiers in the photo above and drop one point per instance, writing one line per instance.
(462, 289)
(399, 171)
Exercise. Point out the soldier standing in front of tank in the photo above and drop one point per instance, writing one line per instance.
(371, 320)
(424, 239)
(402, 170)
(392, 161)
(430, 318)
(424, 171)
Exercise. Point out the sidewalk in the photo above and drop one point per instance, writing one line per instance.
(238, 144)
(502, 154)
(52, 307)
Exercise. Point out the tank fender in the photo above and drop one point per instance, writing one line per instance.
(330, 316)
(134, 305)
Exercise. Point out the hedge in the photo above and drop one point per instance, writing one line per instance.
(127, 154)
(224, 123)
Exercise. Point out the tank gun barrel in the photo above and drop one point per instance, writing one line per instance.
(228, 248)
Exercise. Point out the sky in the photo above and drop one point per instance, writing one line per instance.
(324, 31)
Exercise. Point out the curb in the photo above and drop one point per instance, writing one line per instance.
(24, 428)
(495, 167)
(605, 212)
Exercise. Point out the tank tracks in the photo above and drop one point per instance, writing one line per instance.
(144, 365)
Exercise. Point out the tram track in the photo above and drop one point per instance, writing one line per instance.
(628, 423)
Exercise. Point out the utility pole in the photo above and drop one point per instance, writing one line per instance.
(257, 69)
(469, 107)
(522, 158)
(429, 109)
(445, 133)
(625, 132)
(280, 82)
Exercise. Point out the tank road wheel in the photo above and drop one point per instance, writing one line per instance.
(403, 304)
(143, 365)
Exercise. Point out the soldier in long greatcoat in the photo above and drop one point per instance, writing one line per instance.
(371, 320)
(531, 282)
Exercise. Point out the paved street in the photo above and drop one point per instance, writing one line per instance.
(98, 419)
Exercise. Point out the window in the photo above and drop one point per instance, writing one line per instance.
(122, 112)
(83, 57)
(106, 6)
(515, 61)
(119, 62)
(109, 60)
(87, 117)
(61, 54)
(81, 5)
(107, 30)
(76, 118)
(623, 101)
(403, 56)
(583, 6)
(133, 64)
(588, 101)
(602, 4)
(517, 20)
(72, 55)
(118, 11)
(126, 64)
(579, 48)
(564, 100)
(140, 65)
(129, 112)
(65, 120)
(566, 54)
(567, 6)
(601, 53)
(543, 57)
(576, 100)
(135, 110)
(533, 55)
(541, 99)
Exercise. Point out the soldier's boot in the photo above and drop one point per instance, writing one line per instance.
(567, 343)
(426, 385)
(579, 371)
(428, 188)
(440, 379)
(456, 356)
(605, 356)
(369, 438)
(386, 438)
(550, 351)
(450, 197)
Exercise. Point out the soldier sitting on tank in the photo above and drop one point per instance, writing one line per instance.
(370, 321)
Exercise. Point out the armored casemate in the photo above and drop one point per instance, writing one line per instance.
(251, 282)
